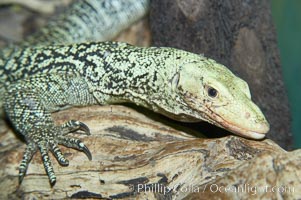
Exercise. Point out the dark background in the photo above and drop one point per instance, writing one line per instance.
(287, 19)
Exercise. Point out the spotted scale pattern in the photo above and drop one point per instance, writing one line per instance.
(56, 74)
(89, 20)
(43, 79)
(37, 79)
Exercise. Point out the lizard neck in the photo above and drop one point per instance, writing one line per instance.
(133, 74)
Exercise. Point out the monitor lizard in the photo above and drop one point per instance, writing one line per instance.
(57, 68)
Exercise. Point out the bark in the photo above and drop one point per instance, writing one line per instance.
(137, 157)
(237, 33)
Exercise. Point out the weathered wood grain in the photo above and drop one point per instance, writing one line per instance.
(137, 157)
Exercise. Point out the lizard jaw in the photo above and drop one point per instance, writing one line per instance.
(243, 132)
(217, 120)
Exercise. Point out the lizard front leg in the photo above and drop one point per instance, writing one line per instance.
(29, 103)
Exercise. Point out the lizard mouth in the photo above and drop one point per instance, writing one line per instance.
(218, 120)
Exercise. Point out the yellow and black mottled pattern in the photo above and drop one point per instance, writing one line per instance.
(38, 76)
(89, 20)
(38, 80)
(43, 79)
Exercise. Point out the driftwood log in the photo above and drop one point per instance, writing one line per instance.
(138, 155)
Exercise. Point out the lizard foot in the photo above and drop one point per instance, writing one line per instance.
(51, 143)
(29, 104)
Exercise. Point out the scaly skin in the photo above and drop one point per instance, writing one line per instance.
(88, 21)
(36, 81)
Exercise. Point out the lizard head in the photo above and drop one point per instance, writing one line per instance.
(211, 92)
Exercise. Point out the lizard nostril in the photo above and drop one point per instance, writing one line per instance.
(247, 115)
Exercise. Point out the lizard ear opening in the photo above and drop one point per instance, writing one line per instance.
(174, 82)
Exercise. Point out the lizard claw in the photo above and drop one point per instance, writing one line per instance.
(73, 125)
(86, 151)
(76, 144)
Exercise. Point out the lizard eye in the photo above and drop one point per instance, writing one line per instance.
(212, 92)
